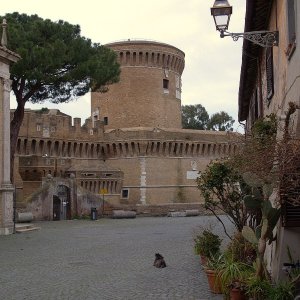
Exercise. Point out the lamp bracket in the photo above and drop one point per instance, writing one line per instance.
(261, 38)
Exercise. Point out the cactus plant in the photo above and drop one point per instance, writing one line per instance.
(264, 231)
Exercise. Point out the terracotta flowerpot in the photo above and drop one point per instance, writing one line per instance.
(237, 294)
(213, 281)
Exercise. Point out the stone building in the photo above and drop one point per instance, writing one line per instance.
(149, 92)
(269, 80)
(132, 148)
(7, 57)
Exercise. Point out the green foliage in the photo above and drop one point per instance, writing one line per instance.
(281, 291)
(256, 288)
(233, 273)
(252, 202)
(194, 117)
(207, 243)
(221, 121)
(214, 261)
(270, 217)
(43, 110)
(241, 250)
(57, 63)
(259, 199)
(256, 157)
(223, 189)
(265, 128)
(259, 289)
(249, 235)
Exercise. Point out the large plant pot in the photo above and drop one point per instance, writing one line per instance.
(237, 294)
(213, 281)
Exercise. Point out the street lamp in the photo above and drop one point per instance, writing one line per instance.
(221, 12)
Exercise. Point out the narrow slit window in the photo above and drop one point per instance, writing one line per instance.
(165, 84)
(125, 193)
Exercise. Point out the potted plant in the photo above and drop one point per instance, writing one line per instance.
(257, 288)
(207, 244)
(233, 275)
(211, 268)
(281, 291)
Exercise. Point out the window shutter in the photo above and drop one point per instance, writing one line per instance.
(291, 21)
(290, 215)
(290, 194)
(269, 73)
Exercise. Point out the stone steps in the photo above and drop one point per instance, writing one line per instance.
(26, 227)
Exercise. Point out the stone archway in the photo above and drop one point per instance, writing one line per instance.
(56, 208)
(62, 203)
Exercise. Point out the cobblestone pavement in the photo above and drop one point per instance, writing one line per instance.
(104, 259)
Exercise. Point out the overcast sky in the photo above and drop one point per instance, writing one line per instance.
(212, 64)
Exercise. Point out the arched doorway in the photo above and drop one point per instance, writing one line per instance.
(56, 208)
(62, 203)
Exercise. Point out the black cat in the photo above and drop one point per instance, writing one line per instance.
(159, 261)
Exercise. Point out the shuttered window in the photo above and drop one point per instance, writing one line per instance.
(290, 192)
(291, 27)
(291, 21)
(290, 215)
(269, 74)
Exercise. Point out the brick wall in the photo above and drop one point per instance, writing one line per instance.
(140, 99)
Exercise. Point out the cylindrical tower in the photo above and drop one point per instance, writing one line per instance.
(149, 91)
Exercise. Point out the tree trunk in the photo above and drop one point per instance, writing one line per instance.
(15, 126)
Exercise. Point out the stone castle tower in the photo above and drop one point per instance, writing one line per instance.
(132, 148)
(149, 91)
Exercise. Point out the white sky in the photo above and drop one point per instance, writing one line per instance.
(212, 65)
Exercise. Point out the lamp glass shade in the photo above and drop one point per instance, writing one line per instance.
(221, 12)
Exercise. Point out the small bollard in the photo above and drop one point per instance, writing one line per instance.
(93, 213)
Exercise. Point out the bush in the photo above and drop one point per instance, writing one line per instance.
(207, 243)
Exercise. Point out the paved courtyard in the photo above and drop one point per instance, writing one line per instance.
(104, 259)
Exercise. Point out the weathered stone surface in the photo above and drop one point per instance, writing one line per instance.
(106, 259)
(123, 214)
(23, 217)
(192, 212)
(7, 57)
(177, 214)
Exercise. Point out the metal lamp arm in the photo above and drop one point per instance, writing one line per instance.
(261, 38)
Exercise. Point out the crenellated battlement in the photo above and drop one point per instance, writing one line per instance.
(53, 124)
(133, 142)
(149, 54)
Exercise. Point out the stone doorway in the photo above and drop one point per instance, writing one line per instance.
(62, 203)
(56, 208)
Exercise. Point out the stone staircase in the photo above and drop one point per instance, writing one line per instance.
(25, 227)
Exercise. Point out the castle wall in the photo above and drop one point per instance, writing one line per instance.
(132, 147)
(157, 180)
(52, 125)
(149, 91)
(158, 165)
